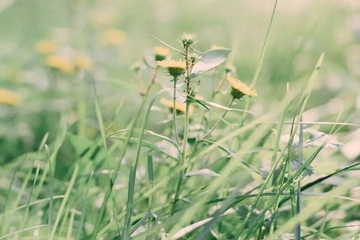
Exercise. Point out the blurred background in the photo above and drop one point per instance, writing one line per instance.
(53, 53)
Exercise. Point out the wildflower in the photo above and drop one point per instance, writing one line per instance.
(46, 47)
(175, 68)
(113, 37)
(83, 62)
(161, 53)
(59, 63)
(180, 107)
(187, 39)
(9, 97)
(240, 89)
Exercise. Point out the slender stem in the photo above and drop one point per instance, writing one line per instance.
(219, 120)
(262, 57)
(176, 50)
(205, 114)
(174, 114)
(183, 162)
(139, 83)
(297, 230)
(221, 83)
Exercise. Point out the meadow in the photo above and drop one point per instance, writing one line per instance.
(179, 119)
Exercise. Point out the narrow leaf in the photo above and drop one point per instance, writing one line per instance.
(203, 172)
(318, 139)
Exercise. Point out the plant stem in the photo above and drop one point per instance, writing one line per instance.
(221, 83)
(218, 122)
(183, 162)
(262, 57)
(297, 230)
(174, 114)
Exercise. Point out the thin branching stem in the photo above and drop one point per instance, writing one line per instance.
(262, 57)
(186, 130)
(176, 132)
(218, 122)
(220, 84)
(297, 230)
(176, 50)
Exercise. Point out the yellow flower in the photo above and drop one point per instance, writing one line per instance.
(46, 47)
(161, 53)
(60, 63)
(104, 17)
(175, 68)
(113, 37)
(83, 62)
(240, 89)
(213, 47)
(9, 98)
(180, 107)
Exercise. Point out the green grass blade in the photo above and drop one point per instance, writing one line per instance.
(65, 200)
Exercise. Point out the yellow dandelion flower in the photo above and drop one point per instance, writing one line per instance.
(175, 68)
(113, 37)
(60, 63)
(240, 89)
(46, 47)
(9, 97)
(161, 53)
(180, 107)
(83, 62)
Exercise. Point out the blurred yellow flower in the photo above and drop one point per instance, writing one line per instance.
(240, 89)
(9, 97)
(104, 17)
(161, 53)
(175, 68)
(213, 47)
(180, 107)
(83, 62)
(46, 47)
(60, 63)
(113, 37)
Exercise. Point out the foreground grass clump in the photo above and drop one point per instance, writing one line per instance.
(213, 170)
(188, 151)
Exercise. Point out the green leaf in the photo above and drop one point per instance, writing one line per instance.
(209, 60)
(202, 172)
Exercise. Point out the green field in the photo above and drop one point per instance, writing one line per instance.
(179, 119)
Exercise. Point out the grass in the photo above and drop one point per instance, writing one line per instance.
(92, 153)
